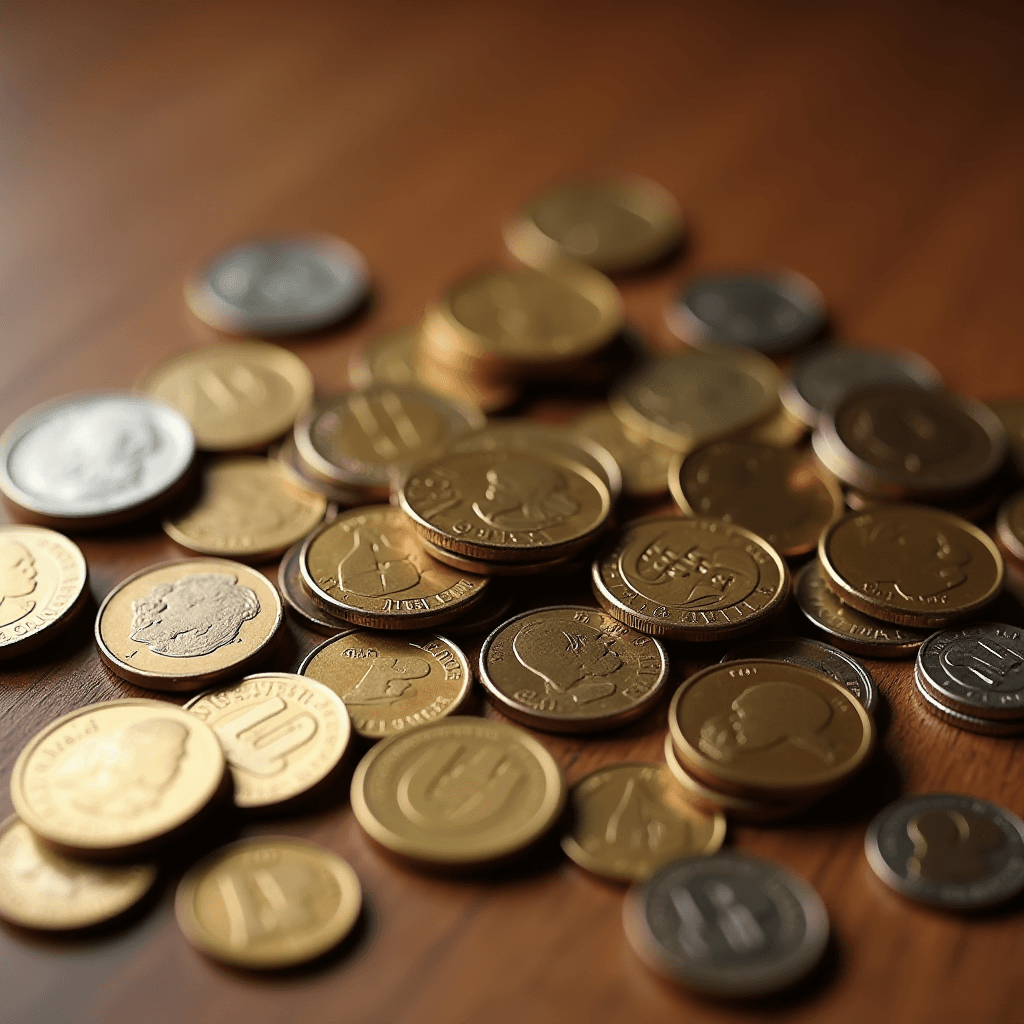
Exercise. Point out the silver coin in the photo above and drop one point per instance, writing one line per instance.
(276, 286)
(948, 850)
(768, 312)
(934, 705)
(289, 582)
(814, 654)
(727, 925)
(94, 459)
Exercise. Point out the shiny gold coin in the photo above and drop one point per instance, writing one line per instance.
(1010, 525)
(237, 397)
(369, 567)
(629, 819)
(644, 463)
(690, 579)
(43, 587)
(911, 565)
(282, 734)
(390, 683)
(389, 360)
(473, 379)
(464, 791)
(768, 728)
(299, 603)
(572, 669)
(481, 567)
(117, 779)
(268, 902)
(782, 495)
(183, 625)
(1011, 414)
(247, 508)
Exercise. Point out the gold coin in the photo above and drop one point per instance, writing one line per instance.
(471, 379)
(390, 683)
(911, 565)
(768, 728)
(572, 669)
(41, 889)
(483, 617)
(389, 360)
(463, 791)
(299, 603)
(781, 429)
(183, 625)
(237, 397)
(1011, 414)
(781, 494)
(1009, 525)
(481, 567)
(690, 579)
(282, 734)
(268, 902)
(43, 578)
(644, 463)
(286, 455)
(248, 508)
(369, 567)
(117, 779)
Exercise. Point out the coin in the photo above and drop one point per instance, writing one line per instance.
(43, 587)
(463, 791)
(274, 286)
(1011, 414)
(298, 602)
(780, 494)
(572, 669)
(727, 925)
(948, 850)
(247, 508)
(389, 360)
(237, 397)
(481, 567)
(118, 778)
(780, 429)
(183, 625)
(644, 463)
(769, 312)
(690, 579)
(268, 902)
(911, 565)
(975, 506)
(971, 723)
(390, 683)
(484, 616)
(94, 460)
(1010, 525)
(286, 455)
(41, 889)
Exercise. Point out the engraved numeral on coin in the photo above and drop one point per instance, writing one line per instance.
(263, 751)
(951, 846)
(266, 902)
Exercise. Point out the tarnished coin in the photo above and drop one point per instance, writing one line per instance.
(389, 360)
(281, 733)
(238, 397)
(690, 579)
(94, 460)
(274, 286)
(43, 587)
(268, 902)
(911, 565)
(1011, 414)
(572, 669)
(644, 463)
(41, 889)
(1010, 525)
(299, 603)
(928, 700)
(247, 508)
(780, 494)
(464, 791)
(769, 312)
(117, 779)
(948, 850)
(183, 625)
(390, 683)
(727, 925)
(629, 819)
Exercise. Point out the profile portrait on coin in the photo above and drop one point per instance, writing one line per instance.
(570, 658)
(523, 494)
(915, 562)
(17, 582)
(983, 665)
(951, 847)
(696, 578)
(387, 680)
(375, 566)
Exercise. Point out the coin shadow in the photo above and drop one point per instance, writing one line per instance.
(76, 639)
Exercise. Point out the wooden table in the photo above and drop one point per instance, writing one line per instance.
(876, 147)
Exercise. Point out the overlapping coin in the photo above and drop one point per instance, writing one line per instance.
(644, 463)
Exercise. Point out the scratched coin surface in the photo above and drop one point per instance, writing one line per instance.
(630, 819)
(463, 791)
(282, 734)
(1010, 525)
(183, 625)
(644, 463)
(949, 850)
(268, 902)
(572, 669)
(117, 778)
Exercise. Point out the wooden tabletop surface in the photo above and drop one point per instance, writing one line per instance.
(876, 147)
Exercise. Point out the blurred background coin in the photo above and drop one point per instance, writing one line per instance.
(286, 455)
(644, 463)
(1010, 525)
(1011, 414)
(388, 360)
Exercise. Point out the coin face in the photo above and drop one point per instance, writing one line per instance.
(572, 669)
(690, 579)
(910, 565)
(728, 925)
(282, 734)
(182, 625)
(644, 463)
(237, 397)
(949, 850)
(299, 603)
(117, 778)
(94, 460)
(389, 360)
(1010, 525)
(268, 902)
(780, 494)
(461, 791)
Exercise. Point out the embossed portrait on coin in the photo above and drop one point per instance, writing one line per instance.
(377, 565)
(909, 438)
(524, 494)
(913, 562)
(570, 658)
(952, 847)
(387, 680)
(17, 581)
(984, 665)
(193, 616)
(30, 868)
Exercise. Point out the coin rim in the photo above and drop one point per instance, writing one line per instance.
(969, 723)
(289, 560)
(1004, 532)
